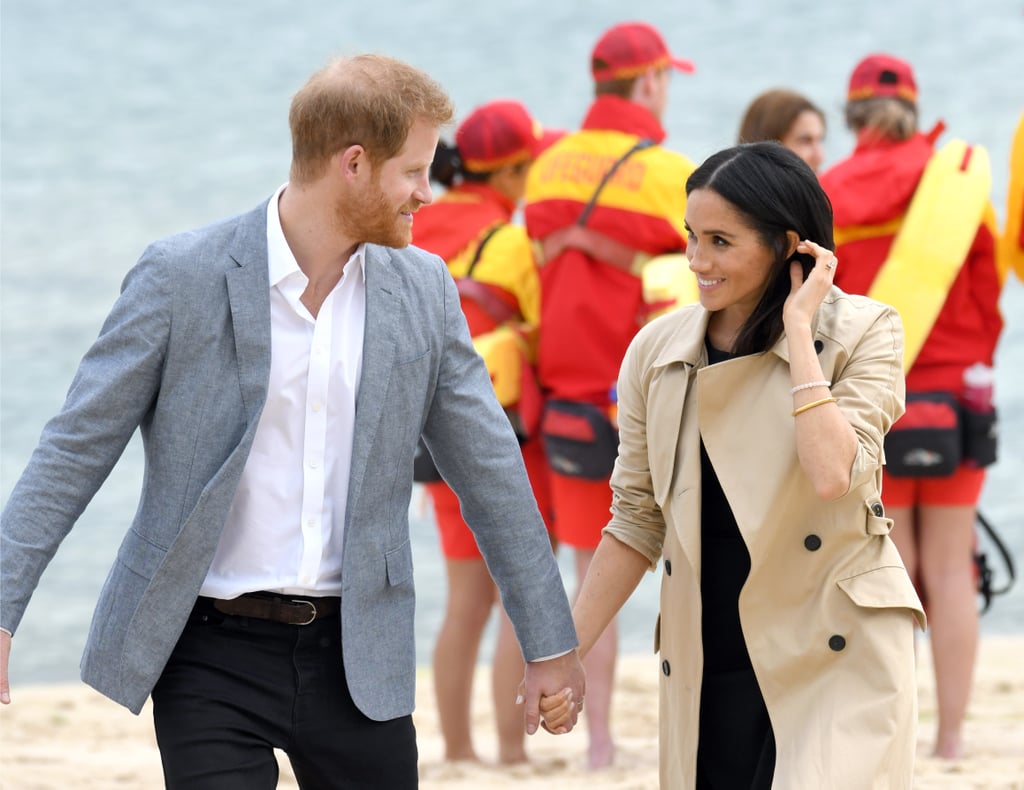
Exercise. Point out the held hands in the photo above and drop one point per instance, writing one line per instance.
(559, 711)
(805, 296)
(553, 689)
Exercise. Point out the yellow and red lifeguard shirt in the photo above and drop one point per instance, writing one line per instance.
(870, 192)
(455, 224)
(590, 310)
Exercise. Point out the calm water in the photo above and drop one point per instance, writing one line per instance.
(125, 121)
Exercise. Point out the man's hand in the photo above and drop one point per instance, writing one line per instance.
(5, 654)
(556, 676)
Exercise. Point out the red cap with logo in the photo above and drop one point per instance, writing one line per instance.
(501, 133)
(627, 50)
(882, 75)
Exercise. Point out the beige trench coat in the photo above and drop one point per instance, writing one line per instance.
(828, 610)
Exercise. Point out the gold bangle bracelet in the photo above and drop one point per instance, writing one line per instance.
(812, 404)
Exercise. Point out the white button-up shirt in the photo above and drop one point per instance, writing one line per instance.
(285, 528)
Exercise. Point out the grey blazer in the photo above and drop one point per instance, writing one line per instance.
(185, 356)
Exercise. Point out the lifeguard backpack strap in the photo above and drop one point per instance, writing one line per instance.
(934, 239)
(591, 242)
(489, 302)
(640, 145)
(480, 247)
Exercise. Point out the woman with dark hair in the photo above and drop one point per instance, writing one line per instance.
(750, 461)
(789, 118)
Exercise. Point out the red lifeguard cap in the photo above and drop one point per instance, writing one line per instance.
(501, 133)
(629, 49)
(882, 75)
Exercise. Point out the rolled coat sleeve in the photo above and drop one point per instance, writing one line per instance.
(871, 390)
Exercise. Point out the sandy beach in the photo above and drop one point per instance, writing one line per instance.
(68, 736)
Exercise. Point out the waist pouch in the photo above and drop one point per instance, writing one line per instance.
(936, 434)
(981, 436)
(579, 439)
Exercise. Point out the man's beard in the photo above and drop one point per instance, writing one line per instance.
(371, 218)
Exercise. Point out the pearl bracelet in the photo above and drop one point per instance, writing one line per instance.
(809, 385)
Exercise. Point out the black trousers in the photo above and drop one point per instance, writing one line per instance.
(236, 688)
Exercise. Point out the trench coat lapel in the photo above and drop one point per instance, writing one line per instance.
(675, 451)
(746, 423)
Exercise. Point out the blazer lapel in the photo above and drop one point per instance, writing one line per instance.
(249, 299)
(383, 300)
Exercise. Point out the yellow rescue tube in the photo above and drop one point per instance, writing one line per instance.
(668, 283)
(502, 350)
(934, 240)
(1011, 249)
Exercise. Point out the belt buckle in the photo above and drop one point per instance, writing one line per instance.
(311, 605)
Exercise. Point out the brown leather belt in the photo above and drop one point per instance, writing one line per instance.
(277, 608)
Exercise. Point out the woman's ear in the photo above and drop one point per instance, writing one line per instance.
(792, 239)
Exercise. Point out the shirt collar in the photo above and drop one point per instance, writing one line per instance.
(281, 261)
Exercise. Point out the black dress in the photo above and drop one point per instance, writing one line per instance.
(736, 745)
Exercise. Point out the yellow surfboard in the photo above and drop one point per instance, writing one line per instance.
(668, 283)
(933, 241)
(1011, 247)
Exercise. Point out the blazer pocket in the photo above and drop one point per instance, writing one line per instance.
(888, 587)
(399, 564)
(140, 555)
(414, 355)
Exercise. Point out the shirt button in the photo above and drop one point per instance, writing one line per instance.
(818, 346)
(316, 406)
(665, 668)
(812, 543)
(311, 522)
(668, 567)
(836, 642)
(877, 509)
(313, 464)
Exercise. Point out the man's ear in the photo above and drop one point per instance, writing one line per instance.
(351, 162)
(644, 85)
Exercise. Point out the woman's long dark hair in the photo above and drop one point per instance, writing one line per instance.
(775, 191)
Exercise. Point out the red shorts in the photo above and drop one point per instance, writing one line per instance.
(457, 541)
(963, 487)
(582, 510)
